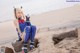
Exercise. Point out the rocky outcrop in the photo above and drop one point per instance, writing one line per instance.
(59, 37)
(70, 44)
(67, 43)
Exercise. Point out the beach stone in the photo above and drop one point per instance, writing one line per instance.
(59, 37)
(18, 45)
(9, 50)
(36, 42)
(4, 49)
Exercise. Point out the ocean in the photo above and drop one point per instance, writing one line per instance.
(32, 7)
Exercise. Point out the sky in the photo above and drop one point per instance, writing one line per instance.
(31, 7)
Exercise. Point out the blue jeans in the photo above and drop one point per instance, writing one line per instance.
(30, 34)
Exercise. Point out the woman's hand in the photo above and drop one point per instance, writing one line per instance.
(22, 36)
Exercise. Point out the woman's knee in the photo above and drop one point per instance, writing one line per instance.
(27, 28)
(33, 27)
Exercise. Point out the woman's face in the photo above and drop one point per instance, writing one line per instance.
(19, 13)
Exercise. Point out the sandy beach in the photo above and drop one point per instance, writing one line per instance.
(67, 17)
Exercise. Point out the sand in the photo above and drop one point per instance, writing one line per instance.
(67, 17)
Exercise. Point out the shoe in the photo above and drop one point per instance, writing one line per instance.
(31, 45)
(24, 50)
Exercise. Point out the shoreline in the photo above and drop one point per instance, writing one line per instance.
(46, 29)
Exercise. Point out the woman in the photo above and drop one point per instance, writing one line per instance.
(25, 30)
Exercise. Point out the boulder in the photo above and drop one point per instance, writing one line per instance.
(18, 45)
(4, 49)
(58, 37)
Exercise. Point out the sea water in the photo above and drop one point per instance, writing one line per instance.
(30, 7)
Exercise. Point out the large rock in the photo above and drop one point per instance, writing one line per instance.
(4, 49)
(58, 37)
(18, 45)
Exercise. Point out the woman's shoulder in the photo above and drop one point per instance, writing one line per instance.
(15, 21)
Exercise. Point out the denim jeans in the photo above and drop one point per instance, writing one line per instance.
(30, 33)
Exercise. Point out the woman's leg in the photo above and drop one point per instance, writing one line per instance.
(32, 36)
(27, 34)
(26, 38)
(33, 33)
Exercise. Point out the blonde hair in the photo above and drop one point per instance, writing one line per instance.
(18, 9)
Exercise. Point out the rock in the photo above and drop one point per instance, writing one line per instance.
(68, 43)
(58, 37)
(4, 49)
(36, 43)
(18, 45)
(9, 50)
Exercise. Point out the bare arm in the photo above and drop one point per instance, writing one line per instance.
(17, 26)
